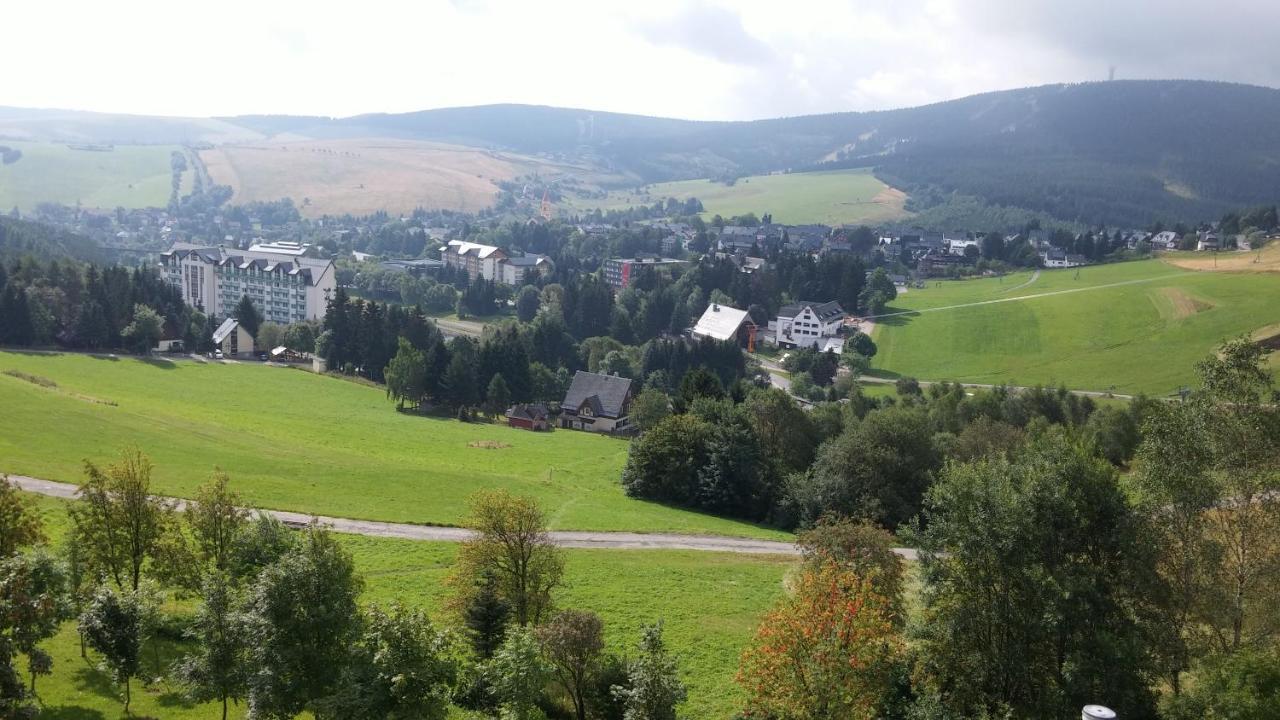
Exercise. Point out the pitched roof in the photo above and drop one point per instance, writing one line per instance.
(826, 311)
(226, 328)
(462, 247)
(606, 394)
(530, 411)
(720, 322)
(527, 260)
(262, 260)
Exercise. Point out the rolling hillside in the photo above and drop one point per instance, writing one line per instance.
(832, 197)
(1129, 327)
(310, 443)
(1120, 153)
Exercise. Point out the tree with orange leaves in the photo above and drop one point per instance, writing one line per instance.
(826, 651)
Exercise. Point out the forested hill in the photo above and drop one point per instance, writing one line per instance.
(1123, 152)
(1119, 153)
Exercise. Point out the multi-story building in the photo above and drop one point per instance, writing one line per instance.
(491, 263)
(476, 259)
(808, 324)
(285, 284)
(516, 271)
(620, 272)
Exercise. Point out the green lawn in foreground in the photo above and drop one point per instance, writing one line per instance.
(710, 604)
(297, 441)
(832, 197)
(1144, 336)
(129, 176)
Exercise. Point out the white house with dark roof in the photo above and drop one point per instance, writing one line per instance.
(597, 403)
(808, 324)
(287, 287)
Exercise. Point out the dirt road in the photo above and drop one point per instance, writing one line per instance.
(571, 539)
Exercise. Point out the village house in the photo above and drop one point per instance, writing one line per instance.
(1208, 241)
(723, 323)
(597, 403)
(531, 416)
(233, 340)
(1167, 240)
(808, 324)
(1058, 258)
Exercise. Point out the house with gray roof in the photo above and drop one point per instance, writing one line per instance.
(597, 403)
(808, 324)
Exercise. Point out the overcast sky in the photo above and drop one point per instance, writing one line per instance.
(703, 59)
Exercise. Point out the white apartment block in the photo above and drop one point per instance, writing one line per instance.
(286, 285)
(491, 263)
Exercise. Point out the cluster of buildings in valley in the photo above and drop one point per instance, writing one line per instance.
(821, 326)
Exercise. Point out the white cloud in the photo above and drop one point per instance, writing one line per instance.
(684, 58)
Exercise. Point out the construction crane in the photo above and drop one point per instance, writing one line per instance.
(546, 204)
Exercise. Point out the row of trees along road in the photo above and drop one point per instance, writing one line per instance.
(280, 627)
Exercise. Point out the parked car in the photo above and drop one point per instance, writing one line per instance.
(217, 354)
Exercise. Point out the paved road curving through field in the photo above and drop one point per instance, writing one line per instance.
(564, 538)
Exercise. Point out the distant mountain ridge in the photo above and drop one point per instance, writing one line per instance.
(1122, 152)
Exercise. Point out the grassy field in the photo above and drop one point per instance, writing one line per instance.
(832, 197)
(1137, 327)
(297, 441)
(368, 175)
(128, 176)
(710, 604)
(1266, 259)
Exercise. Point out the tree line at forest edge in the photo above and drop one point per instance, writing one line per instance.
(1047, 580)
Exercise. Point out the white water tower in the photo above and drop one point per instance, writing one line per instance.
(1097, 712)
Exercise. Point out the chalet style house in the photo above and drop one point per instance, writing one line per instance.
(808, 324)
(598, 403)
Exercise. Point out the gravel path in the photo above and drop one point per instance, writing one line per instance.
(571, 539)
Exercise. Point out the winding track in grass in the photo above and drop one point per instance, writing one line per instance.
(572, 539)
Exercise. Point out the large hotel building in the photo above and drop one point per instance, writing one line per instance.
(280, 278)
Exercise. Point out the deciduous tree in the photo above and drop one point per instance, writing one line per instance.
(19, 524)
(303, 616)
(116, 623)
(825, 652)
(217, 670)
(117, 519)
(573, 641)
(512, 544)
(401, 669)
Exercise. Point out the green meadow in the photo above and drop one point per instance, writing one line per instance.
(293, 440)
(833, 197)
(710, 604)
(1129, 327)
(131, 176)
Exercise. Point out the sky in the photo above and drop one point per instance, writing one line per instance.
(697, 59)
